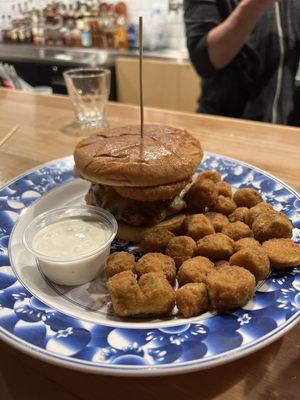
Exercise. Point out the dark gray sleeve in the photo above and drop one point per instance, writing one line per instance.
(200, 17)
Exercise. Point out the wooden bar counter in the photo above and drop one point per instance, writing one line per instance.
(45, 132)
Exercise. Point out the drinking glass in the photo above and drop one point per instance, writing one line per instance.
(89, 90)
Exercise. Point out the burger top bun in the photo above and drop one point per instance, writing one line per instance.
(119, 157)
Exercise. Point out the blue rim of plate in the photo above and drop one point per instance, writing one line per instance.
(31, 326)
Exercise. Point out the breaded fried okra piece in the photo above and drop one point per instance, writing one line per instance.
(157, 262)
(247, 197)
(237, 230)
(194, 270)
(215, 247)
(155, 240)
(217, 219)
(181, 248)
(192, 299)
(254, 259)
(282, 253)
(197, 226)
(229, 287)
(119, 262)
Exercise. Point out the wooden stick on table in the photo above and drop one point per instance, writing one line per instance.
(9, 134)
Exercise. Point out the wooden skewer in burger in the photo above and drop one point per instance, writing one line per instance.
(139, 173)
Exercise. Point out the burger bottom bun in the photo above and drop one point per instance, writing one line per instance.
(136, 233)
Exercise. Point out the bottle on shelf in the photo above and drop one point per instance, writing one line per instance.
(121, 41)
(6, 29)
(84, 23)
(86, 37)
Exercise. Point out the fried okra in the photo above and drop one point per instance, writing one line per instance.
(224, 205)
(229, 287)
(254, 259)
(212, 175)
(192, 299)
(218, 220)
(153, 294)
(224, 189)
(282, 253)
(197, 226)
(194, 270)
(247, 197)
(245, 243)
(157, 262)
(119, 262)
(126, 295)
(159, 296)
(256, 211)
(201, 195)
(221, 263)
(240, 214)
(272, 225)
(181, 248)
(215, 247)
(237, 230)
(155, 240)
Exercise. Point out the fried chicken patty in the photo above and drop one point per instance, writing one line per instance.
(152, 193)
(133, 212)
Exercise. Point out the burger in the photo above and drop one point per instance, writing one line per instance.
(142, 181)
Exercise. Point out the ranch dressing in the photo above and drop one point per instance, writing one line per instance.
(68, 238)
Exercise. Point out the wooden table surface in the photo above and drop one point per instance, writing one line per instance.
(47, 132)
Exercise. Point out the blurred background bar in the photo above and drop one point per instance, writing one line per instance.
(41, 39)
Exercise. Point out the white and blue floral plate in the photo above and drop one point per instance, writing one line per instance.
(76, 327)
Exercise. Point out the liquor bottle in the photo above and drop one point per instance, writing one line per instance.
(38, 27)
(14, 30)
(95, 33)
(86, 37)
(68, 33)
(6, 29)
(121, 41)
(76, 34)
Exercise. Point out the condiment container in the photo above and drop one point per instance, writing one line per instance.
(75, 266)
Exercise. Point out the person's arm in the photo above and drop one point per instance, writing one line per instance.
(202, 19)
(226, 40)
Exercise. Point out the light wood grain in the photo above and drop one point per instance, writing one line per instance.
(9, 134)
(47, 133)
(167, 84)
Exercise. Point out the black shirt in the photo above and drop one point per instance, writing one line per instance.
(259, 83)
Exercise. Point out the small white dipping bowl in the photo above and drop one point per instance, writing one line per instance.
(73, 270)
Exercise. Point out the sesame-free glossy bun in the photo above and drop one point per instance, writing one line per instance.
(119, 157)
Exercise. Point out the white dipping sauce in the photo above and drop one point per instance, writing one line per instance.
(67, 250)
(72, 237)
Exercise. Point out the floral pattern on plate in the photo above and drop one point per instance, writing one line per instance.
(200, 342)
